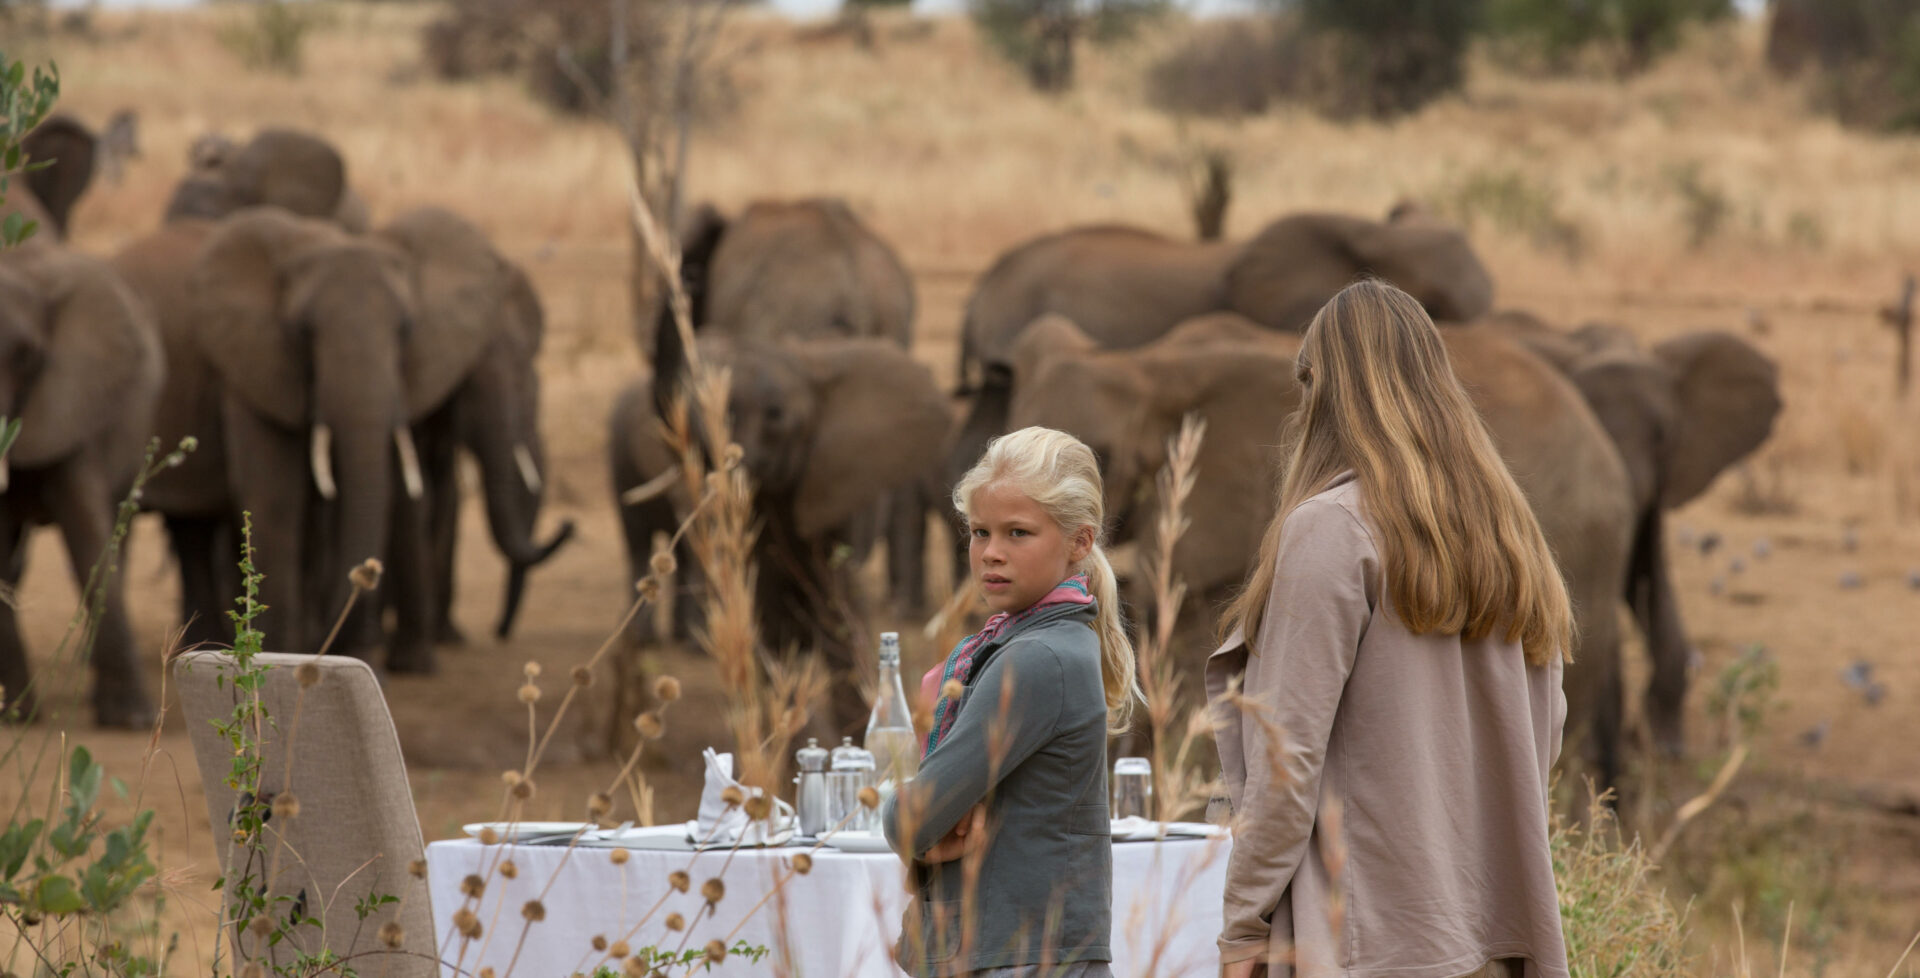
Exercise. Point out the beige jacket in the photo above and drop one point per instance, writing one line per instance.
(1417, 765)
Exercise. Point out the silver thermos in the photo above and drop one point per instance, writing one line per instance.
(810, 802)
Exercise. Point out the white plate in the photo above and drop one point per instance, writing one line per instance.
(517, 831)
(1136, 829)
(678, 837)
(859, 842)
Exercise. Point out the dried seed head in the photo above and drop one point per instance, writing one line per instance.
(392, 934)
(732, 795)
(636, 968)
(678, 879)
(308, 674)
(649, 725)
(666, 689)
(582, 676)
(731, 458)
(253, 969)
(534, 911)
(713, 890)
(466, 923)
(261, 926)
(618, 950)
(599, 804)
(508, 870)
(531, 669)
(758, 807)
(619, 857)
(486, 973)
(510, 778)
(648, 588)
(488, 836)
(286, 805)
(417, 869)
(951, 689)
(599, 942)
(716, 950)
(870, 797)
(523, 790)
(473, 885)
(676, 922)
(802, 863)
(663, 563)
(529, 694)
(366, 577)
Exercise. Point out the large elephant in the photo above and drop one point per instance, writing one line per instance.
(319, 351)
(810, 269)
(828, 428)
(494, 413)
(1680, 413)
(1125, 404)
(1125, 287)
(286, 168)
(82, 368)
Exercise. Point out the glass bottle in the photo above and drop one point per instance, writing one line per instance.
(890, 735)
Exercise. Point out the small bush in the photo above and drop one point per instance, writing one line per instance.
(1227, 67)
(1517, 205)
(1864, 56)
(1040, 35)
(272, 39)
(1617, 920)
(1383, 58)
(1704, 206)
(1627, 35)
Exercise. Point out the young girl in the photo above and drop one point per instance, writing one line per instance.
(1005, 828)
(1400, 646)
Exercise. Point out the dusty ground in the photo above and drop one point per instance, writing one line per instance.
(940, 148)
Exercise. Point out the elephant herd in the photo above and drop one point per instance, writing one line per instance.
(331, 371)
(1116, 334)
(326, 372)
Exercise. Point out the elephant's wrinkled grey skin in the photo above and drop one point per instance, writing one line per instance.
(1292, 267)
(827, 427)
(810, 269)
(1680, 413)
(1239, 377)
(82, 369)
(493, 413)
(286, 168)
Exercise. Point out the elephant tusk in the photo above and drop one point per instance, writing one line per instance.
(529, 472)
(409, 463)
(5, 473)
(321, 459)
(650, 489)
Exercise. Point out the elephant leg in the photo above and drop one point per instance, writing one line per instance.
(411, 586)
(82, 504)
(906, 531)
(271, 482)
(988, 418)
(197, 547)
(439, 460)
(1657, 608)
(807, 603)
(16, 679)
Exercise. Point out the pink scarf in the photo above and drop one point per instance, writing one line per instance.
(959, 664)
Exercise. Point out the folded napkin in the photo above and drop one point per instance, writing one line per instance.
(719, 825)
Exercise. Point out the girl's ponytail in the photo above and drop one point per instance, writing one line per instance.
(1117, 674)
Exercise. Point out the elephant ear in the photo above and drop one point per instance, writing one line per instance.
(1726, 395)
(101, 348)
(66, 144)
(238, 286)
(700, 236)
(1047, 337)
(881, 422)
(463, 294)
(1430, 260)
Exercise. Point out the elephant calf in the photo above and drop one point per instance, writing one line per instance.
(82, 370)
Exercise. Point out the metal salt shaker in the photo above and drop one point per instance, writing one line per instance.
(810, 804)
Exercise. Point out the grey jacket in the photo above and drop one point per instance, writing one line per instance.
(1030, 739)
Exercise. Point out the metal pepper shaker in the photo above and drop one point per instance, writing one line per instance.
(810, 804)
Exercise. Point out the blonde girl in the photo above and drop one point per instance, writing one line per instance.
(1388, 697)
(1005, 828)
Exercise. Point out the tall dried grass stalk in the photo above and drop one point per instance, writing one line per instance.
(1176, 788)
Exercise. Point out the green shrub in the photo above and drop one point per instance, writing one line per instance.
(1514, 203)
(1382, 58)
(1627, 34)
(272, 39)
(1617, 919)
(1040, 35)
(1864, 56)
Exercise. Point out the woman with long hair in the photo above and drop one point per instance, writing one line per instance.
(1387, 697)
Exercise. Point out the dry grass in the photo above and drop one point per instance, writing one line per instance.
(944, 151)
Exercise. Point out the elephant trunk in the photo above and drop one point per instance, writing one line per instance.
(363, 514)
(510, 477)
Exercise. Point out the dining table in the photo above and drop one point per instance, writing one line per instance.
(564, 904)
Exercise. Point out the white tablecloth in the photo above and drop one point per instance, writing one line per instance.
(838, 921)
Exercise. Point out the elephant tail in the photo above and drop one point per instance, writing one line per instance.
(520, 564)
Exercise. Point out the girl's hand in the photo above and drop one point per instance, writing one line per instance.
(1250, 968)
(965, 837)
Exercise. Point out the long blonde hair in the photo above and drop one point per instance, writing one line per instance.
(1461, 550)
(1060, 474)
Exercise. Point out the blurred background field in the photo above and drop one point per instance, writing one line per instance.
(1703, 191)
